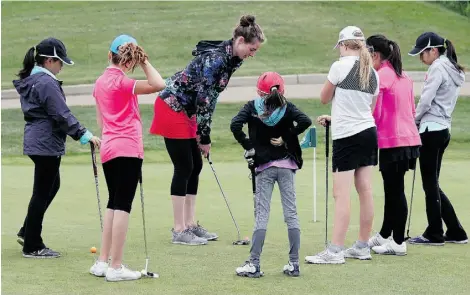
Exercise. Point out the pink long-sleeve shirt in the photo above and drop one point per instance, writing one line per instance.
(394, 111)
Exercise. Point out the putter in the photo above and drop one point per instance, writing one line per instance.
(411, 205)
(327, 155)
(95, 172)
(239, 241)
(145, 271)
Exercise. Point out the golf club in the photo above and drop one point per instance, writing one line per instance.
(145, 271)
(411, 203)
(239, 241)
(95, 172)
(327, 154)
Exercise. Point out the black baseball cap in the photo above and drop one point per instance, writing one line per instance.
(52, 47)
(425, 41)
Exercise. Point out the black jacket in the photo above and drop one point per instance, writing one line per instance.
(48, 119)
(260, 134)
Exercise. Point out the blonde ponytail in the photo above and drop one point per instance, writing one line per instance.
(365, 61)
(365, 66)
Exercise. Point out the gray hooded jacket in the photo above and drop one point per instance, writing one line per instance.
(440, 92)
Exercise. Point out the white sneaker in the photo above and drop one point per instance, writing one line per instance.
(377, 240)
(249, 270)
(99, 269)
(391, 248)
(122, 274)
(326, 257)
(358, 253)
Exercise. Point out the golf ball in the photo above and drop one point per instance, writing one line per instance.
(143, 272)
(93, 249)
(246, 238)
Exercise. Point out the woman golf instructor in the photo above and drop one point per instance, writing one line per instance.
(183, 116)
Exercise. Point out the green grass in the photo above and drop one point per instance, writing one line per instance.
(300, 35)
(224, 146)
(72, 226)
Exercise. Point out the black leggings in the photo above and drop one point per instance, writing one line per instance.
(122, 175)
(395, 208)
(438, 206)
(46, 185)
(187, 162)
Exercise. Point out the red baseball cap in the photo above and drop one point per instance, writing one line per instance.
(269, 80)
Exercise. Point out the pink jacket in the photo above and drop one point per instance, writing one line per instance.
(394, 111)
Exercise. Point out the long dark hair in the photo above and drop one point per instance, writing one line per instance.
(388, 50)
(273, 101)
(451, 54)
(30, 60)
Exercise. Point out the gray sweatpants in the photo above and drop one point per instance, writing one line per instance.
(264, 187)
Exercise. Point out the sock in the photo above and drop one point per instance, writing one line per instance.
(361, 245)
(334, 248)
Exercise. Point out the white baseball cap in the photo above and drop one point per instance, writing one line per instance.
(350, 33)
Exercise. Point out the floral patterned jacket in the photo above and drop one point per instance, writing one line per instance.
(196, 88)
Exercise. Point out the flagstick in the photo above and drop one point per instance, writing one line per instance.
(314, 185)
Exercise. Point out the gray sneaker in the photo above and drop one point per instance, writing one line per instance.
(187, 237)
(201, 232)
(358, 253)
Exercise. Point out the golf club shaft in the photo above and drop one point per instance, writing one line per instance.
(143, 219)
(411, 201)
(95, 172)
(327, 154)
(223, 195)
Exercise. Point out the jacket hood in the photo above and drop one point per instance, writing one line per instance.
(24, 86)
(224, 47)
(457, 76)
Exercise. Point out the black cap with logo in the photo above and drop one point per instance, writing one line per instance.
(52, 47)
(425, 41)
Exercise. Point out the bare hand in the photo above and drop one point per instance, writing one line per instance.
(96, 142)
(323, 119)
(205, 149)
(277, 141)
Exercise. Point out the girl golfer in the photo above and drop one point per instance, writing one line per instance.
(122, 150)
(351, 87)
(183, 116)
(434, 116)
(398, 141)
(274, 146)
(48, 122)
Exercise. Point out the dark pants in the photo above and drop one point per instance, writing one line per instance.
(395, 208)
(187, 162)
(45, 187)
(122, 175)
(438, 206)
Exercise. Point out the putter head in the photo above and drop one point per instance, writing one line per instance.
(242, 242)
(149, 274)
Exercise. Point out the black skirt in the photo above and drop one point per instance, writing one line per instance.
(399, 159)
(353, 152)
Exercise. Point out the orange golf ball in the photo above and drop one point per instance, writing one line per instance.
(93, 249)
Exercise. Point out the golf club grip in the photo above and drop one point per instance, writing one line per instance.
(93, 159)
(253, 178)
(327, 136)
